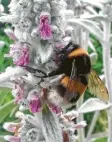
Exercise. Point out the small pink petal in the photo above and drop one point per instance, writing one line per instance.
(56, 109)
(45, 27)
(20, 55)
(11, 127)
(10, 34)
(35, 105)
(12, 138)
(80, 125)
(34, 102)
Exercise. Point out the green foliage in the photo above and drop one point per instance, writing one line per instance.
(99, 65)
(7, 105)
(101, 140)
(5, 3)
(4, 62)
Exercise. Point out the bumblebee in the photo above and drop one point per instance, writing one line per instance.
(79, 75)
(75, 64)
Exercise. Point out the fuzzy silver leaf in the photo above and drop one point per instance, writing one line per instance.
(51, 127)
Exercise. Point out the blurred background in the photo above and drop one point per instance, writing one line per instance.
(8, 109)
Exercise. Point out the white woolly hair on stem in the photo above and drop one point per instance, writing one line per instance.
(7, 85)
(83, 41)
(107, 69)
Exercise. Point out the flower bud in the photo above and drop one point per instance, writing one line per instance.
(56, 109)
(45, 27)
(20, 54)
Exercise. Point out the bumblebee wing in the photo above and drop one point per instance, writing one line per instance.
(97, 87)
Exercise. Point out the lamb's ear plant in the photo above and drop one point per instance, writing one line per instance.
(39, 27)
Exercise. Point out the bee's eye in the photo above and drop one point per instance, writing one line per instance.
(62, 57)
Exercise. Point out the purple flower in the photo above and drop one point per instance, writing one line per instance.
(20, 55)
(45, 27)
(34, 101)
(56, 109)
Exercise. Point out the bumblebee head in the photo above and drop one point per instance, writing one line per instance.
(63, 53)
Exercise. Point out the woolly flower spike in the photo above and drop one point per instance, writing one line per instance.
(34, 101)
(20, 55)
(45, 27)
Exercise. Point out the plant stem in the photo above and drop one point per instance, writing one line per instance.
(92, 126)
(107, 70)
(81, 132)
